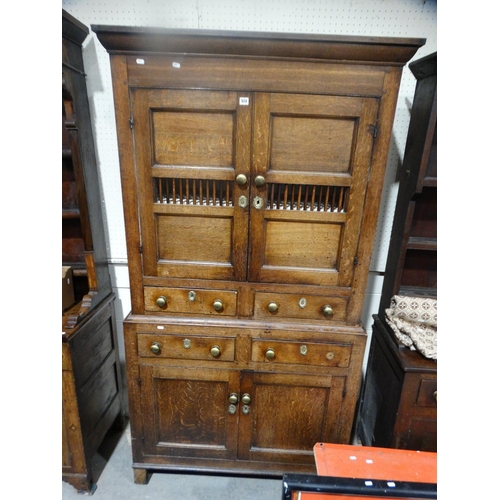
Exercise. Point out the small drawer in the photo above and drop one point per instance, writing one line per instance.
(301, 353)
(427, 393)
(283, 305)
(190, 301)
(186, 347)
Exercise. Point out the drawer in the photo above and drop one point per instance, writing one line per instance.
(301, 353)
(427, 393)
(190, 301)
(186, 347)
(284, 305)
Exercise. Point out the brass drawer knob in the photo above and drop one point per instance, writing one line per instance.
(245, 399)
(161, 301)
(272, 307)
(328, 311)
(233, 398)
(435, 395)
(241, 179)
(270, 354)
(215, 351)
(218, 305)
(260, 180)
(155, 348)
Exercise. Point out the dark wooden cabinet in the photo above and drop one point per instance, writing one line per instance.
(399, 400)
(91, 380)
(252, 166)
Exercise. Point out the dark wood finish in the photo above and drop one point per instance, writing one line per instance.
(399, 403)
(91, 391)
(392, 412)
(412, 259)
(91, 378)
(252, 168)
(83, 241)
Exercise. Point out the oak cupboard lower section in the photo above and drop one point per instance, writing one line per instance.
(237, 396)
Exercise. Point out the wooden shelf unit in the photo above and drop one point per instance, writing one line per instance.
(398, 405)
(91, 377)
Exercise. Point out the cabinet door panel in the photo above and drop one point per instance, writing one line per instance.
(288, 415)
(314, 153)
(189, 148)
(186, 413)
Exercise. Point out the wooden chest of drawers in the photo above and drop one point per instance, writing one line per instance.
(399, 402)
(252, 166)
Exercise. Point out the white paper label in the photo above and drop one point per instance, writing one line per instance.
(176, 65)
(139, 61)
(244, 101)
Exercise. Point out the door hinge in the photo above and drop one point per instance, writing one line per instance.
(374, 130)
(131, 122)
(140, 248)
(139, 381)
(355, 261)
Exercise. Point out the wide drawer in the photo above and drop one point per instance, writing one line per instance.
(427, 393)
(190, 301)
(301, 353)
(186, 347)
(284, 305)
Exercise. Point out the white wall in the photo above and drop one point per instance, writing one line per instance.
(399, 18)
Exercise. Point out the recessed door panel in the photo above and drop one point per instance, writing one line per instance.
(190, 146)
(311, 144)
(193, 138)
(188, 411)
(310, 161)
(287, 415)
(301, 244)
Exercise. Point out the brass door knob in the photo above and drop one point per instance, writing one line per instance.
(245, 399)
(233, 398)
(241, 179)
(272, 307)
(215, 351)
(161, 301)
(218, 305)
(155, 348)
(328, 311)
(270, 354)
(260, 180)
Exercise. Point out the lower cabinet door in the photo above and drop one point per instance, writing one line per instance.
(287, 415)
(187, 411)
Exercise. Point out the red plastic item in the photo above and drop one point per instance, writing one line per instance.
(366, 462)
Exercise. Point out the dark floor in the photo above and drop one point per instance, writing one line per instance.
(114, 477)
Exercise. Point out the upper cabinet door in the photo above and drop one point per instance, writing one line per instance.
(190, 146)
(310, 167)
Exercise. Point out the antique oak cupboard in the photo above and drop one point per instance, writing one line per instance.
(252, 166)
(91, 379)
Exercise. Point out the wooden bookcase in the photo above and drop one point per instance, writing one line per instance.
(91, 379)
(399, 402)
(252, 167)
